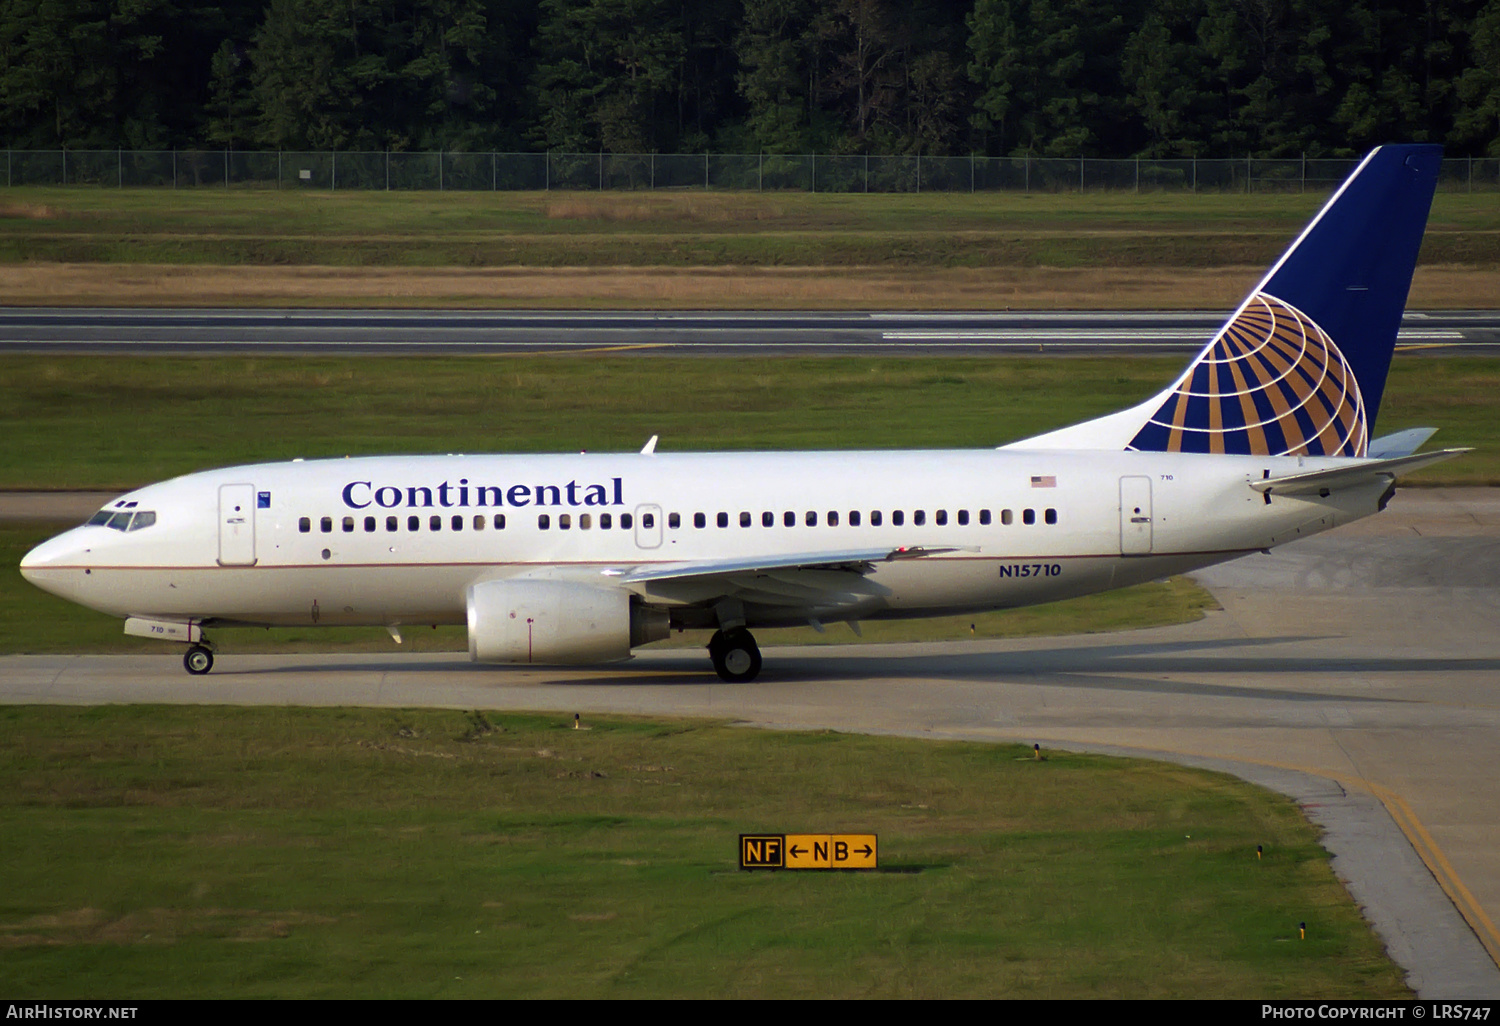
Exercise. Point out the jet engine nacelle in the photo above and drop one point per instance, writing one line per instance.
(530, 621)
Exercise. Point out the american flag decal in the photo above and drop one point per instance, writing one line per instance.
(1043, 482)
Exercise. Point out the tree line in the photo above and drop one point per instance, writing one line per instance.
(1150, 78)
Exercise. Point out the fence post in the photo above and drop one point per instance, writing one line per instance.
(814, 172)
(1304, 171)
(653, 170)
(601, 170)
(919, 172)
(547, 172)
(278, 169)
(1080, 175)
(1195, 172)
(1028, 170)
(494, 171)
(760, 171)
(971, 171)
(333, 171)
(867, 172)
(174, 167)
(1137, 174)
(226, 169)
(1247, 174)
(65, 166)
(387, 169)
(440, 169)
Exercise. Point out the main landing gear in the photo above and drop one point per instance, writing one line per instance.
(198, 660)
(736, 656)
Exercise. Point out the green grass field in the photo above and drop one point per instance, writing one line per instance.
(416, 229)
(119, 422)
(172, 852)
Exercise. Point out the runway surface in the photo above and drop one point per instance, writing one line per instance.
(664, 333)
(1358, 671)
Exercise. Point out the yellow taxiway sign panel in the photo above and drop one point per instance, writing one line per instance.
(808, 851)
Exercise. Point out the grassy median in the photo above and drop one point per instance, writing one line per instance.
(174, 852)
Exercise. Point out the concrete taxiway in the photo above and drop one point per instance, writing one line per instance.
(1358, 671)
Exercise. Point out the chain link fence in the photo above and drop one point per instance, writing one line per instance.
(289, 169)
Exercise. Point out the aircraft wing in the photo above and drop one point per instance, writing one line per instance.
(856, 560)
(795, 582)
(1318, 480)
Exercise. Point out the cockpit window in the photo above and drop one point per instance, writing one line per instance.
(123, 519)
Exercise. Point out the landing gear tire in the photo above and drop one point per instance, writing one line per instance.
(198, 660)
(735, 655)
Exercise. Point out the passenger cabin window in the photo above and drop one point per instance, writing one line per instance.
(811, 518)
(963, 518)
(673, 521)
(648, 520)
(898, 517)
(392, 523)
(479, 521)
(434, 523)
(1051, 516)
(984, 516)
(854, 518)
(723, 520)
(833, 518)
(744, 519)
(874, 518)
(585, 521)
(789, 519)
(626, 521)
(1028, 516)
(369, 524)
(919, 517)
(1006, 518)
(699, 520)
(940, 517)
(413, 523)
(500, 522)
(304, 525)
(565, 521)
(326, 525)
(605, 521)
(457, 523)
(768, 519)
(348, 525)
(543, 522)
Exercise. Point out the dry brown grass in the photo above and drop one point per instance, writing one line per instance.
(29, 211)
(696, 208)
(781, 288)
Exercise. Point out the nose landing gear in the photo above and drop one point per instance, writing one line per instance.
(735, 655)
(198, 660)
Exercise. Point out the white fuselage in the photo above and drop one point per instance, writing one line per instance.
(400, 540)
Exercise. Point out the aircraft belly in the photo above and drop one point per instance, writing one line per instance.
(283, 596)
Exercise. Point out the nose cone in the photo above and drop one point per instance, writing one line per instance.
(55, 564)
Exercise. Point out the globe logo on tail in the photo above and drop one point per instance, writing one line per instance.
(1271, 384)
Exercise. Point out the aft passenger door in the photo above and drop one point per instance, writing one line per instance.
(1135, 516)
(237, 525)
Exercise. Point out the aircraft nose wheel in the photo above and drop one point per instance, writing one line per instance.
(198, 660)
(735, 655)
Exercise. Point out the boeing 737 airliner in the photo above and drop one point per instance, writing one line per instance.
(578, 559)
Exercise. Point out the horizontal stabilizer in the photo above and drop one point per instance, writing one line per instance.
(1318, 480)
(1402, 443)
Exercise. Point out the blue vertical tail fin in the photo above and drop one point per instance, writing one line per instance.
(1300, 367)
